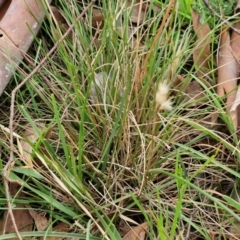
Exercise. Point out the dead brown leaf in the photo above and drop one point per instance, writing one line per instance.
(97, 19)
(123, 228)
(228, 71)
(60, 21)
(137, 233)
(40, 220)
(138, 12)
(235, 42)
(22, 217)
(191, 93)
(194, 91)
(61, 227)
(201, 52)
(25, 147)
(59, 17)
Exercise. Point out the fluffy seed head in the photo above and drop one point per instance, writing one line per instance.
(163, 88)
(162, 97)
(167, 105)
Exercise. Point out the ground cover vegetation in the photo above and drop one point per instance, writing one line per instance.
(129, 129)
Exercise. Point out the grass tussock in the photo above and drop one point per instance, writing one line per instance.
(115, 146)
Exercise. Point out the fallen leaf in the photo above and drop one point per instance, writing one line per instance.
(235, 45)
(25, 148)
(235, 42)
(22, 217)
(201, 52)
(228, 71)
(40, 220)
(138, 12)
(137, 233)
(124, 226)
(60, 227)
(97, 18)
(193, 93)
(59, 20)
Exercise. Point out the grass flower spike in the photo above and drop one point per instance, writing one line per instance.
(162, 97)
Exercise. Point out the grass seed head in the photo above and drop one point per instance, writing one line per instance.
(166, 105)
(163, 88)
(162, 97)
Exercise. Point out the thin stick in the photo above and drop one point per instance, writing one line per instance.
(11, 159)
(220, 17)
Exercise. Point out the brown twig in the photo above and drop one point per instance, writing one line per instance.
(11, 159)
(220, 17)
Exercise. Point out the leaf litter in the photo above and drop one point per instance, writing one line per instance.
(137, 233)
(23, 219)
